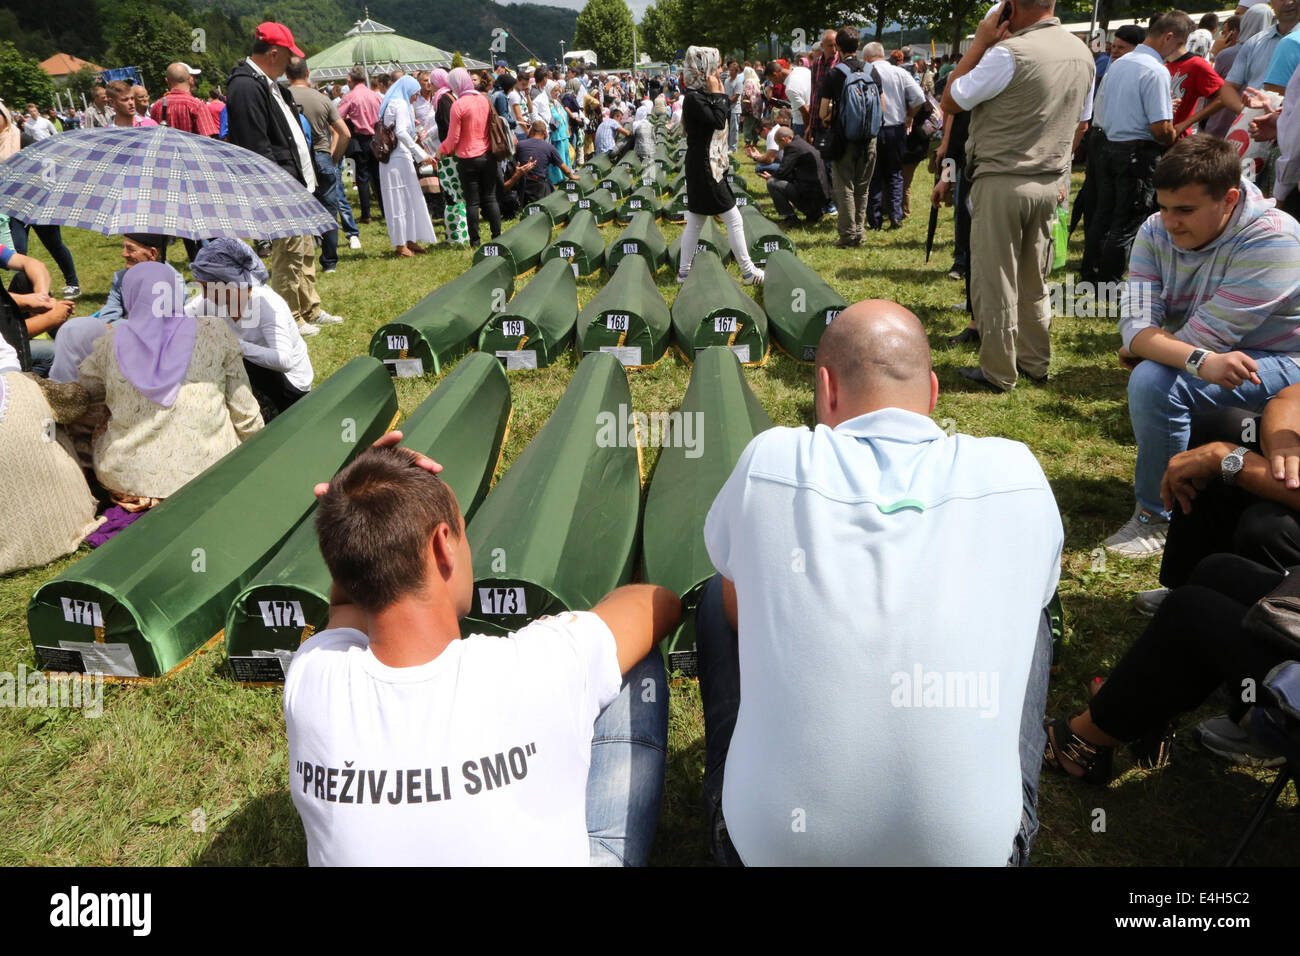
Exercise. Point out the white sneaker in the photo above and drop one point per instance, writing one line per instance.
(754, 278)
(681, 277)
(307, 330)
(1148, 602)
(326, 319)
(1142, 536)
(354, 242)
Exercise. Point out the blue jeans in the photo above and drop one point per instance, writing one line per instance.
(42, 356)
(629, 752)
(719, 667)
(326, 180)
(343, 205)
(766, 168)
(733, 131)
(1162, 401)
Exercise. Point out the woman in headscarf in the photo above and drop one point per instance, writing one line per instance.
(1255, 20)
(233, 280)
(559, 132)
(426, 134)
(405, 212)
(751, 105)
(451, 193)
(572, 103)
(177, 394)
(467, 140)
(705, 115)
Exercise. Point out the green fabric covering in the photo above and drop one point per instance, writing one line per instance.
(641, 199)
(462, 425)
(599, 164)
(539, 319)
(163, 585)
(444, 325)
(711, 310)
(762, 236)
(641, 238)
(631, 162)
(521, 245)
(556, 205)
(584, 184)
(724, 416)
(799, 304)
(602, 204)
(675, 210)
(735, 180)
(562, 525)
(580, 243)
(628, 312)
(712, 237)
(658, 181)
(743, 199)
(619, 181)
(677, 183)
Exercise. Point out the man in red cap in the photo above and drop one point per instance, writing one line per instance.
(263, 117)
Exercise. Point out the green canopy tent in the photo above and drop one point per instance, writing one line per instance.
(444, 325)
(537, 328)
(712, 310)
(641, 238)
(560, 530)
(627, 317)
(799, 305)
(377, 49)
(602, 204)
(712, 237)
(619, 181)
(140, 605)
(462, 424)
(521, 245)
(584, 185)
(556, 205)
(580, 244)
(762, 236)
(719, 416)
(641, 199)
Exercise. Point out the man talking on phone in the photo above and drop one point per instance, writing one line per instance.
(1028, 84)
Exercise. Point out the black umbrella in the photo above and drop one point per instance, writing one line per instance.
(1081, 202)
(929, 235)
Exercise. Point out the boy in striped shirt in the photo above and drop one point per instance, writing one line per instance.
(1210, 314)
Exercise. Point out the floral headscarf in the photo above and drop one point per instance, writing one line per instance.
(699, 63)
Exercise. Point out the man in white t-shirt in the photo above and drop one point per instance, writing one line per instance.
(874, 652)
(734, 87)
(798, 91)
(409, 746)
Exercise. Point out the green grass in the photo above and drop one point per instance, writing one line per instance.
(125, 788)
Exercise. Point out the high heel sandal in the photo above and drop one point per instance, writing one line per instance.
(1097, 761)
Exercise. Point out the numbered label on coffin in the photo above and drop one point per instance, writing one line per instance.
(111, 660)
(617, 321)
(518, 359)
(405, 368)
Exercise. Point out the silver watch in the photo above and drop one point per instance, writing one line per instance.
(1194, 361)
(1232, 464)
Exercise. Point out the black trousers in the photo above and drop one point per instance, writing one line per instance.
(788, 197)
(1096, 141)
(1194, 645)
(271, 389)
(1125, 198)
(367, 174)
(1226, 520)
(478, 177)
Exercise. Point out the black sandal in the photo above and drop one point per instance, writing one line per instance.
(1155, 749)
(1095, 760)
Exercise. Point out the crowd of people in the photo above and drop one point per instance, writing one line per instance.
(797, 656)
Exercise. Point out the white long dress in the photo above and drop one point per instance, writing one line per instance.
(405, 213)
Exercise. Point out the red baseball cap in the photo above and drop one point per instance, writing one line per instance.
(278, 34)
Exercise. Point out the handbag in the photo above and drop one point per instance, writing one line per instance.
(383, 142)
(1276, 617)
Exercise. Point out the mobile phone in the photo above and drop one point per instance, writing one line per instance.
(1006, 12)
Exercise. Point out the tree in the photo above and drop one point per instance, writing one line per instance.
(605, 27)
(457, 60)
(82, 83)
(22, 80)
(661, 29)
(150, 38)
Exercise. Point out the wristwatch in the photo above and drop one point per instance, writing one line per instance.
(1194, 361)
(1232, 464)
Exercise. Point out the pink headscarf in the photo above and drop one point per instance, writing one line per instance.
(441, 85)
(154, 345)
(461, 82)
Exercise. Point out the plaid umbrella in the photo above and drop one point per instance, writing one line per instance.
(156, 179)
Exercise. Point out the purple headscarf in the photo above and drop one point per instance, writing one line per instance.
(154, 345)
(461, 82)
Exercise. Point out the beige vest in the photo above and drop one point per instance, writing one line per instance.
(1028, 128)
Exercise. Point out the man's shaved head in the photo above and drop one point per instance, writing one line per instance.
(873, 355)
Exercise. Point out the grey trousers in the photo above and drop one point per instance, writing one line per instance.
(850, 184)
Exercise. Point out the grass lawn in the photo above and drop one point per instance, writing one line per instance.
(193, 770)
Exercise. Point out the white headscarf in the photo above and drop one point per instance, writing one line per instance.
(699, 63)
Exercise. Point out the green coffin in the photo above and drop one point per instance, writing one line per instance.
(632, 163)
(712, 310)
(537, 327)
(444, 325)
(462, 424)
(657, 181)
(662, 158)
(619, 181)
(602, 204)
(584, 184)
(712, 237)
(735, 180)
(799, 305)
(719, 416)
(641, 200)
(560, 530)
(628, 317)
(580, 243)
(675, 211)
(677, 183)
(762, 236)
(641, 238)
(556, 206)
(144, 602)
(743, 199)
(599, 164)
(521, 245)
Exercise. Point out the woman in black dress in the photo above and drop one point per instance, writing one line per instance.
(705, 112)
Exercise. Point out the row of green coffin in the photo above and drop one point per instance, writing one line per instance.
(237, 546)
(627, 317)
